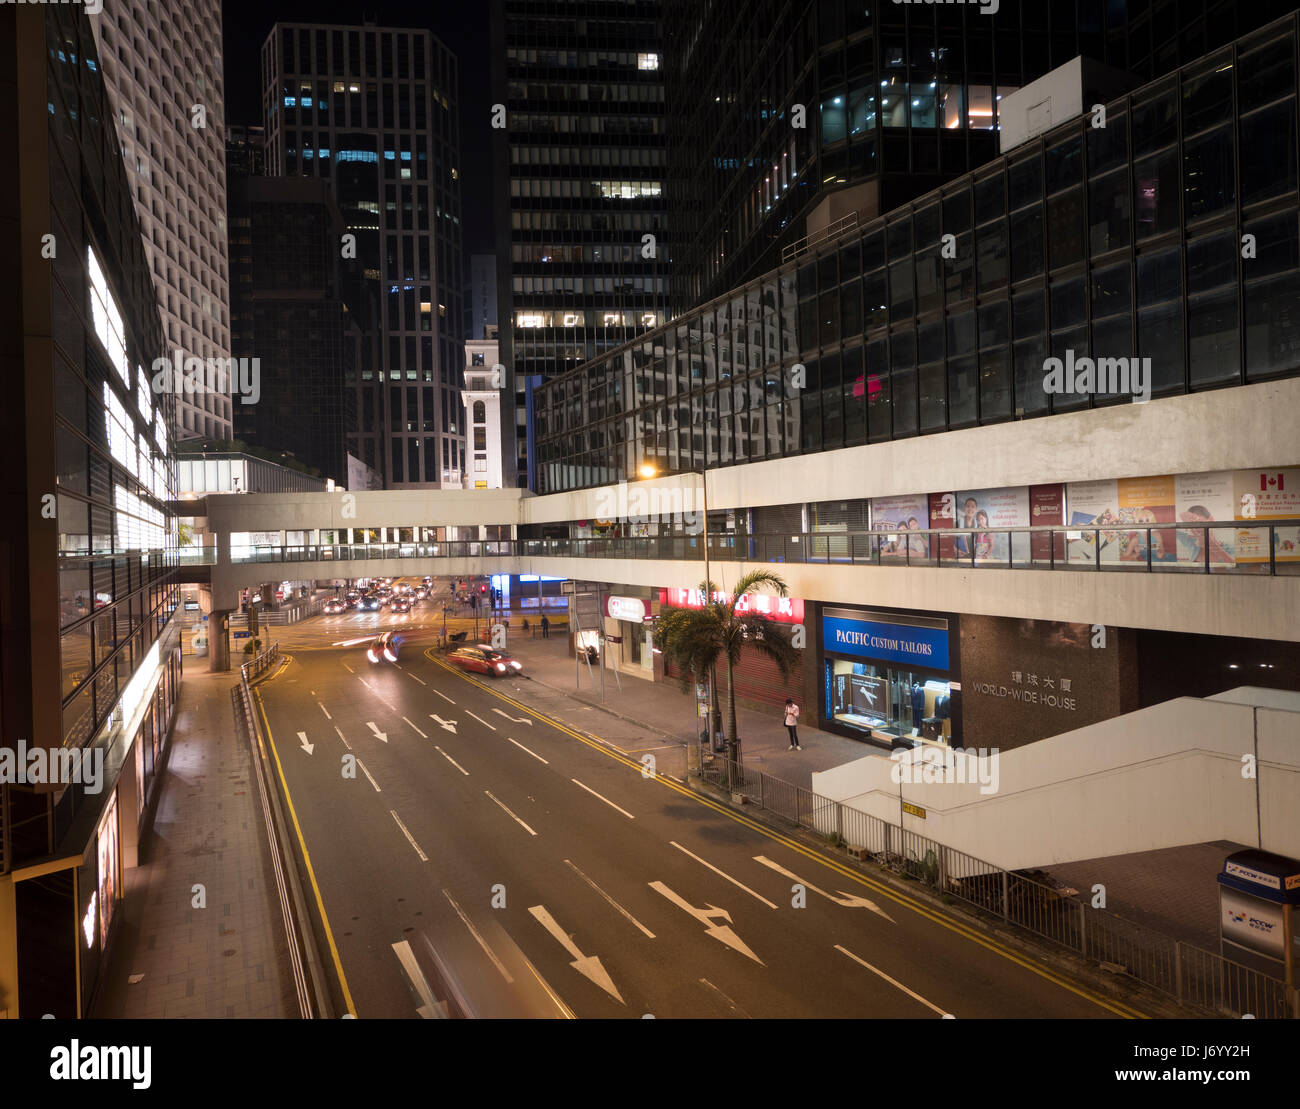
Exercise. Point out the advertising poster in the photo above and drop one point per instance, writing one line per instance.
(1145, 501)
(993, 508)
(1267, 495)
(107, 847)
(1047, 507)
(1199, 498)
(1251, 922)
(899, 515)
(943, 514)
(1088, 503)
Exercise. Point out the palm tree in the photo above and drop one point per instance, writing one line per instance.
(695, 638)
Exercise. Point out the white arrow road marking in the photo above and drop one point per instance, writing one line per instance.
(451, 760)
(481, 941)
(410, 838)
(445, 697)
(605, 799)
(422, 735)
(607, 897)
(706, 916)
(586, 965)
(848, 900)
(308, 747)
(325, 711)
(512, 815)
(367, 774)
(728, 877)
(523, 748)
(519, 720)
(382, 736)
(431, 1007)
(481, 720)
(446, 725)
(891, 981)
(343, 737)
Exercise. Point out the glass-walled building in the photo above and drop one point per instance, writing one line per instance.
(581, 168)
(1170, 234)
(91, 668)
(373, 112)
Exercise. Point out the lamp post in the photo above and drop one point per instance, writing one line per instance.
(647, 470)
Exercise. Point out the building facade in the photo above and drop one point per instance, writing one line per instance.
(581, 162)
(163, 71)
(91, 668)
(372, 112)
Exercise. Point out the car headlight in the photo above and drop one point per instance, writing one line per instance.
(517, 665)
(501, 667)
(371, 656)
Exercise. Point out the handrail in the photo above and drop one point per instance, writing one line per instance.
(832, 230)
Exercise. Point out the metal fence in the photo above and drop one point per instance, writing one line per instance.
(1189, 974)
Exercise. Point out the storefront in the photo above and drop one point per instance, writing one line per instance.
(629, 624)
(890, 676)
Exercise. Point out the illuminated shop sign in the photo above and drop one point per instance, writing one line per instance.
(924, 647)
(784, 610)
(631, 609)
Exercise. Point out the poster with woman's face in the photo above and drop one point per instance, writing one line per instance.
(900, 515)
(983, 509)
(1201, 499)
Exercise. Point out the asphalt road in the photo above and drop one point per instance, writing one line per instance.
(482, 856)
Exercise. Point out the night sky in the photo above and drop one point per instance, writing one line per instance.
(462, 27)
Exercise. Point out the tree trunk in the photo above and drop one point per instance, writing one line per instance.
(734, 740)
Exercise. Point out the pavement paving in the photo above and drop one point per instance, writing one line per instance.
(229, 959)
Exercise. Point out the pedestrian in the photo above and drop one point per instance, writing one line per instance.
(791, 719)
(546, 627)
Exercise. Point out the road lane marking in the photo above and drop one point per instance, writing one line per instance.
(728, 877)
(605, 799)
(367, 774)
(892, 981)
(451, 760)
(725, 999)
(612, 902)
(934, 915)
(308, 747)
(343, 737)
(523, 720)
(507, 810)
(325, 711)
(348, 668)
(445, 697)
(848, 900)
(481, 720)
(445, 725)
(376, 692)
(481, 941)
(382, 736)
(431, 1008)
(410, 838)
(523, 748)
(720, 932)
(422, 735)
(405, 671)
(586, 965)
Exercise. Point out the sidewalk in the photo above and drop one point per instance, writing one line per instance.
(169, 959)
(662, 710)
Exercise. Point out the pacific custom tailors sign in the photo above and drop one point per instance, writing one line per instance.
(921, 646)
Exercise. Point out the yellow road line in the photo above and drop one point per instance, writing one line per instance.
(311, 873)
(936, 917)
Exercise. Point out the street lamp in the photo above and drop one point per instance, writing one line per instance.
(648, 470)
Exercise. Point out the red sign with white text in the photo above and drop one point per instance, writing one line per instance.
(783, 610)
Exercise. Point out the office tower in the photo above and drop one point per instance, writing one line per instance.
(896, 99)
(580, 176)
(372, 112)
(163, 71)
(91, 666)
(245, 151)
(294, 320)
(483, 295)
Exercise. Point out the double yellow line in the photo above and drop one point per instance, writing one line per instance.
(933, 915)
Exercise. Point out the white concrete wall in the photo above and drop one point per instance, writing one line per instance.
(1161, 777)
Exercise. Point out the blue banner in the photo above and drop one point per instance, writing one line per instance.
(923, 647)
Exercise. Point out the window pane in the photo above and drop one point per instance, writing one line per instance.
(962, 380)
(1155, 194)
(1112, 290)
(995, 385)
(1160, 338)
(1268, 153)
(1065, 228)
(1266, 74)
(1208, 173)
(1108, 213)
(1160, 277)
(1027, 243)
(933, 389)
(1028, 316)
(992, 240)
(1211, 261)
(1213, 339)
(1029, 358)
(1272, 326)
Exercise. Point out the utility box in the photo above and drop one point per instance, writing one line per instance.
(1258, 892)
(1065, 93)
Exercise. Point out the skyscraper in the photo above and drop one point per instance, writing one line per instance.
(580, 163)
(372, 112)
(163, 71)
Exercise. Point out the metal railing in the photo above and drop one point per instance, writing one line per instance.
(260, 663)
(1188, 974)
(1253, 547)
(832, 230)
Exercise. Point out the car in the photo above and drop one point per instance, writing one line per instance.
(385, 646)
(502, 663)
(333, 608)
(484, 660)
(369, 604)
(400, 604)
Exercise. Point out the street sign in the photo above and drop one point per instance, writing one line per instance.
(240, 635)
